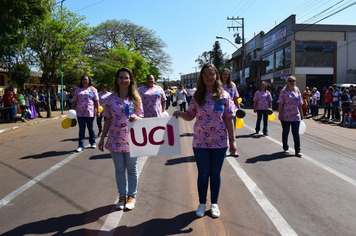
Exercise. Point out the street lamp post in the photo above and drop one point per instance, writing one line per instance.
(218, 37)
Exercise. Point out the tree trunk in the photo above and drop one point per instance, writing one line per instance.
(48, 85)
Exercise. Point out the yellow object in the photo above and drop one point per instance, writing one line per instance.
(239, 123)
(66, 123)
(271, 117)
(101, 109)
(173, 91)
(239, 100)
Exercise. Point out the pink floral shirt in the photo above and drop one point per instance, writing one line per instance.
(209, 128)
(103, 97)
(290, 101)
(118, 132)
(85, 98)
(262, 100)
(233, 94)
(152, 99)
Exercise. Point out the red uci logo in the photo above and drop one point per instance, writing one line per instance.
(150, 136)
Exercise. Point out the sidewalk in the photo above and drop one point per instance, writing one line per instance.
(10, 126)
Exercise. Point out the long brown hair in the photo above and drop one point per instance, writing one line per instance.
(199, 95)
(228, 81)
(90, 81)
(133, 94)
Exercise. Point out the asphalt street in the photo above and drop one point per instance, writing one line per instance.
(49, 189)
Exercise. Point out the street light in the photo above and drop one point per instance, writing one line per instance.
(218, 37)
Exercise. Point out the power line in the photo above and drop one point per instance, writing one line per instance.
(90, 5)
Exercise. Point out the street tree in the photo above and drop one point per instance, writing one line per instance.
(15, 18)
(21, 74)
(105, 67)
(113, 33)
(205, 58)
(57, 40)
(218, 56)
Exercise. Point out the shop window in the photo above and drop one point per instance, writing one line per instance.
(267, 64)
(314, 55)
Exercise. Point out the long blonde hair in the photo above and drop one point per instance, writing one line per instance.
(199, 95)
(133, 94)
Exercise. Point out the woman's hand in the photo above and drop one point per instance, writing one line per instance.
(233, 147)
(176, 114)
(101, 144)
(133, 117)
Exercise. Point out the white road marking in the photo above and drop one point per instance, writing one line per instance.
(281, 224)
(29, 184)
(114, 217)
(321, 165)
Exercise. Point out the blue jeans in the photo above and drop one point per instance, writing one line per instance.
(99, 122)
(8, 112)
(336, 110)
(295, 132)
(89, 122)
(123, 162)
(261, 113)
(168, 102)
(209, 163)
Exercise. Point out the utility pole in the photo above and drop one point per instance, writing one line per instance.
(238, 39)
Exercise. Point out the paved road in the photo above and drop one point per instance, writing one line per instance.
(48, 189)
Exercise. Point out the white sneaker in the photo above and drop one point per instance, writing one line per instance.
(93, 146)
(130, 203)
(201, 210)
(121, 204)
(79, 149)
(214, 209)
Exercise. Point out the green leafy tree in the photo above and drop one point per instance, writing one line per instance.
(105, 67)
(218, 56)
(113, 33)
(205, 58)
(60, 34)
(21, 74)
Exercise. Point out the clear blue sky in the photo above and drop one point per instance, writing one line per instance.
(190, 27)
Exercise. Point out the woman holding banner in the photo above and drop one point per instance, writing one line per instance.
(125, 103)
(213, 110)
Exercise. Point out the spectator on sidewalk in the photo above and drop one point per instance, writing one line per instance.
(336, 103)
(352, 94)
(345, 103)
(317, 93)
(168, 93)
(212, 108)
(8, 99)
(103, 97)
(31, 107)
(290, 114)
(314, 104)
(261, 102)
(307, 94)
(124, 104)
(22, 103)
(153, 98)
(86, 102)
(328, 96)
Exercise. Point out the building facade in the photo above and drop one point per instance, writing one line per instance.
(318, 55)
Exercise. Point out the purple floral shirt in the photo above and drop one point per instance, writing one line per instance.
(262, 100)
(209, 127)
(103, 97)
(152, 99)
(290, 101)
(85, 98)
(233, 94)
(118, 133)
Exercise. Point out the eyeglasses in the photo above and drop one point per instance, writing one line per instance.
(291, 80)
(105, 86)
(210, 74)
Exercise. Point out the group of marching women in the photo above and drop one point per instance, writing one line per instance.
(213, 105)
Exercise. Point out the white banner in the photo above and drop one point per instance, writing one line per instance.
(158, 136)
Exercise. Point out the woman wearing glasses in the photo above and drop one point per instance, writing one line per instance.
(290, 114)
(103, 97)
(212, 108)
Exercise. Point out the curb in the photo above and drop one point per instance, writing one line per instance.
(36, 122)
